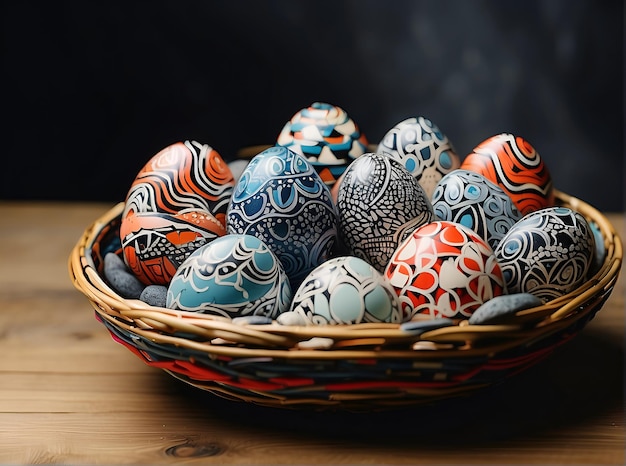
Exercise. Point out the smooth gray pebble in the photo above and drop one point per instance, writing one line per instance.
(498, 308)
(120, 278)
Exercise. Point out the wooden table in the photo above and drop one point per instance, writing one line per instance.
(69, 394)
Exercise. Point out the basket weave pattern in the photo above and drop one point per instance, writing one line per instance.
(364, 366)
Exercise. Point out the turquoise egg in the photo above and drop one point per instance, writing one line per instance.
(236, 276)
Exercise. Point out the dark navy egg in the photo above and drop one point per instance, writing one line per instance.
(281, 199)
(547, 253)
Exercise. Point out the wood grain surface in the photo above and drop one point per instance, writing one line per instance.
(69, 394)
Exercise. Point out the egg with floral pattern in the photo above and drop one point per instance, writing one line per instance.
(444, 270)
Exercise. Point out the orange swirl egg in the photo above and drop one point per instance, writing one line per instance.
(182, 176)
(512, 163)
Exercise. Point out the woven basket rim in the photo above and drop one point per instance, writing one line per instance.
(166, 325)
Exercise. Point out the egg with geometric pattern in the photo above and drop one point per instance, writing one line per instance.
(233, 276)
(547, 253)
(326, 136)
(155, 244)
(444, 269)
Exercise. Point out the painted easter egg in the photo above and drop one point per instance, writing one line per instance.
(183, 176)
(233, 276)
(379, 204)
(470, 199)
(346, 290)
(155, 244)
(513, 164)
(444, 270)
(281, 199)
(547, 253)
(422, 148)
(326, 136)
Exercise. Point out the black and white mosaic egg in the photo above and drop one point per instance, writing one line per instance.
(379, 204)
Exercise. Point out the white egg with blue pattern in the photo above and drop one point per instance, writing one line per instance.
(346, 290)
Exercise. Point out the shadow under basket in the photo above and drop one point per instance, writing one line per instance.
(366, 366)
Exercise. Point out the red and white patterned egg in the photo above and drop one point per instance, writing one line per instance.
(444, 270)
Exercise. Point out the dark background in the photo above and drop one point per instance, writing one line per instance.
(93, 89)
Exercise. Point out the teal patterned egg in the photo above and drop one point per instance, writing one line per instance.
(234, 276)
(345, 290)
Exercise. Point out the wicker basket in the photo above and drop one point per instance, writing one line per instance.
(362, 367)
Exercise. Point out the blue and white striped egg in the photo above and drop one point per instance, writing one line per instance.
(472, 200)
(345, 290)
(233, 276)
(547, 253)
(281, 199)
